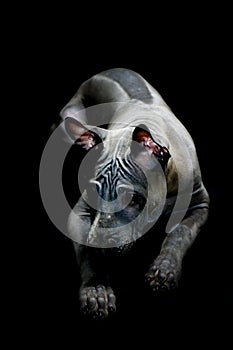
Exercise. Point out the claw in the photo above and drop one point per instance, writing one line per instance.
(173, 285)
(102, 314)
(95, 315)
(84, 310)
(111, 308)
(155, 288)
(164, 287)
(149, 278)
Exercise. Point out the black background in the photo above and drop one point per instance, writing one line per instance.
(186, 59)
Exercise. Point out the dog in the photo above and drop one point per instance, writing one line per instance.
(145, 168)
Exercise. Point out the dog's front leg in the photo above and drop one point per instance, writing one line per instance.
(165, 270)
(97, 299)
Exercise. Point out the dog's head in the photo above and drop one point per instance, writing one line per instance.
(128, 187)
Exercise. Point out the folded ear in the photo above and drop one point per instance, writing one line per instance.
(80, 134)
(143, 137)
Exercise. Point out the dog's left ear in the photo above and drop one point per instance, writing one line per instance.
(143, 137)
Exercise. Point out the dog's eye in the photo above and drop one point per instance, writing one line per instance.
(121, 190)
(137, 199)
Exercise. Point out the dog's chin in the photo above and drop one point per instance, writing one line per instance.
(114, 238)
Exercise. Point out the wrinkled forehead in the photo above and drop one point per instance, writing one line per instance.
(115, 160)
(118, 141)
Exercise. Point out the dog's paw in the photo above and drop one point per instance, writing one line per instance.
(163, 274)
(97, 302)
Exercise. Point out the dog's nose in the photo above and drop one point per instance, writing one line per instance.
(105, 220)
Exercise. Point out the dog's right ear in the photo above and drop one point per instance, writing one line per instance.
(80, 134)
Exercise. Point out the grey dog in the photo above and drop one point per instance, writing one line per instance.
(146, 168)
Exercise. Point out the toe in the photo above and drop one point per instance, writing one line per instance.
(111, 300)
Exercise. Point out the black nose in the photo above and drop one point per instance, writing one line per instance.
(105, 220)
